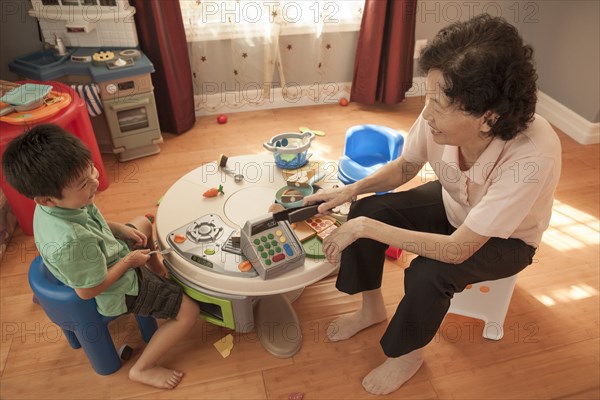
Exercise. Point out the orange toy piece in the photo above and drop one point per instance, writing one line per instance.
(245, 266)
(179, 238)
(213, 192)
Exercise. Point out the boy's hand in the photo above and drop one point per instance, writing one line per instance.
(133, 237)
(137, 258)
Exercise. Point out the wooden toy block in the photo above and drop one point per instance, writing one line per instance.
(323, 234)
(319, 224)
(303, 231)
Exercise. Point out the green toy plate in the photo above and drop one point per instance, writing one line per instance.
(314, 248)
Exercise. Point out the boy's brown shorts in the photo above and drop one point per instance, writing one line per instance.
(157, 297)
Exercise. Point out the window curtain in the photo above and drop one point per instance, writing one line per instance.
(162, 38)
(246, 53)
(383, 67)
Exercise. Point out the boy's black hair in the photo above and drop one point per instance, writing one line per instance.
(486, 66)
(44, 160)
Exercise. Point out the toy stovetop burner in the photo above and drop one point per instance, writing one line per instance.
(211, 244)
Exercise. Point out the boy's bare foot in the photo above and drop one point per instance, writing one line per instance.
(347, 326)
(159, 377)
(393, 373)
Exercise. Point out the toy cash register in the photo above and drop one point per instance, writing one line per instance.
(270, 244)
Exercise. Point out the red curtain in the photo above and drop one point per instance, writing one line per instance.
(159, 25)
(383, 67)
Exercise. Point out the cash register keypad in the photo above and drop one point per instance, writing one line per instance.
(272, 247)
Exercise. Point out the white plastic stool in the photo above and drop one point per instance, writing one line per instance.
(487, 301)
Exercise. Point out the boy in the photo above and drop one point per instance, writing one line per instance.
(89, 254)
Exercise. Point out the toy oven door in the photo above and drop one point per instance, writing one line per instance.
(132, 114)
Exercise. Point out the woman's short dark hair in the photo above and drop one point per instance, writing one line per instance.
(486, 66)
(44, 160)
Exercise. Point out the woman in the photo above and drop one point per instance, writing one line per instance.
(497, 166)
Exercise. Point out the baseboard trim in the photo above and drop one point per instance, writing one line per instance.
(567, 120)
(252, 99)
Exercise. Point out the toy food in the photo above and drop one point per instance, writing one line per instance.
(245, 266)
(304, 129)
(213, 192)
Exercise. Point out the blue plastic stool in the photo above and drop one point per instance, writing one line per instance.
(368, 148)
(80, 321)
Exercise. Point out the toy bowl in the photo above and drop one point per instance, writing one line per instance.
(291, 196)
(290, 150)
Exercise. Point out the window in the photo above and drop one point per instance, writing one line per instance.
(230, 19)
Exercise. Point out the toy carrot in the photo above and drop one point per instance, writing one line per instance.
(213, 192)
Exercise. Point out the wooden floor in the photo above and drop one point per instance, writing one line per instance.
(550, 349)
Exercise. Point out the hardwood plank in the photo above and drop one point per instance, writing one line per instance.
(537, 376)
(248, 386)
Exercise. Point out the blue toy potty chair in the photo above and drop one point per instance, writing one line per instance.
(79, 319)
(368, 148)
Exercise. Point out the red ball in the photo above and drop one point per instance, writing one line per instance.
(343, 102)
(222, 119)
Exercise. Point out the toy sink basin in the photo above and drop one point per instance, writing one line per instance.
(290, 149)
(43, 59)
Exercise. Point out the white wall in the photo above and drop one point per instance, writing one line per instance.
(565, 36)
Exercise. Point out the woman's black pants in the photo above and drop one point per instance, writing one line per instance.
(429, 285)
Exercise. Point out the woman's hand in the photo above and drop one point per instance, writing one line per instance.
(342, 237)
(133, 237)
(331, 198)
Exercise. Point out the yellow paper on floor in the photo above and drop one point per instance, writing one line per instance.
(224, 345)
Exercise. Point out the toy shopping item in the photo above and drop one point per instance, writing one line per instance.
(290, 150)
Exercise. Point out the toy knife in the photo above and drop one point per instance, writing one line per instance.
(296, 214)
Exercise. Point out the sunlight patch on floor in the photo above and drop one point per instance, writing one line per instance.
(571, 229)
(566, 294)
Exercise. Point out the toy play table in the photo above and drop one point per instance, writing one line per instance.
(183, 203)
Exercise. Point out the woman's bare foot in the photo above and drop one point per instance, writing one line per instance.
(346, 326)
(393, 373)
(372, 312)
(159, 377)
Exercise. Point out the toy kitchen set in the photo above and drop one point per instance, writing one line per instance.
(94, 48)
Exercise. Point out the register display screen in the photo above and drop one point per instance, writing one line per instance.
(262, 226)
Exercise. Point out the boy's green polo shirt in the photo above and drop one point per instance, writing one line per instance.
(78, 247)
